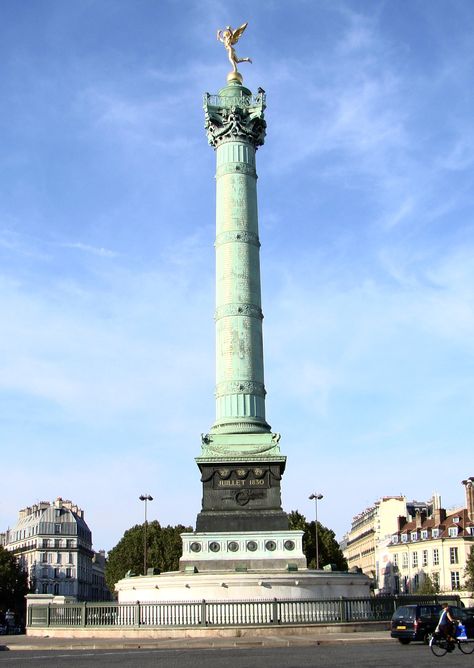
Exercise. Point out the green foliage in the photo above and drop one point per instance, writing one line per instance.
(328, 547)
(469, 572)
(13, 583)
(427, 586)
(164, 549)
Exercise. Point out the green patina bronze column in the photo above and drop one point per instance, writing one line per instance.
(241, 463)
(235, 127)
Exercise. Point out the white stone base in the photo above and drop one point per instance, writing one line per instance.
(242, 586)
(247, 550)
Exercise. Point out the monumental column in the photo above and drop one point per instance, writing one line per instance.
(241, 463)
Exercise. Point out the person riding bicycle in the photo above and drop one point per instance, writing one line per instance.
(447, 624)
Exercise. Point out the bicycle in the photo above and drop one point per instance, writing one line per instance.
(440, 645)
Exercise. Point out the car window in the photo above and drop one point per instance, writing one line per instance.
(408, 612)
(429, 610)
(458, 613)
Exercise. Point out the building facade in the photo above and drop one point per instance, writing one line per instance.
(54, 544)
(434, 546)
(371, 529)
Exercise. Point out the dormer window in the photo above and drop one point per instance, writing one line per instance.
(404, 538)
(456, 520)
(414, 535)
(394, 539)
(453, 532)
(424, 534)
(435, 533)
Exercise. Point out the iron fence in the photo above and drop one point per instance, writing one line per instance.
(221, 613)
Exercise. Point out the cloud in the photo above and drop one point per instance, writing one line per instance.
(101, 252)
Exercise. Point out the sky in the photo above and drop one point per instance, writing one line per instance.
(107, 224)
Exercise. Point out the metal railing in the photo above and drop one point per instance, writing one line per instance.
(221, 613)
(243, 101)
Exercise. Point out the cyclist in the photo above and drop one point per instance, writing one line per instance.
(447, 625)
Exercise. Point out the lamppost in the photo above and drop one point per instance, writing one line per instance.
(145, 497)
(317, 497)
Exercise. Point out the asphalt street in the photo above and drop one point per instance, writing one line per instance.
(320, 656)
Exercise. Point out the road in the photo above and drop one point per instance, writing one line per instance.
(318, 656)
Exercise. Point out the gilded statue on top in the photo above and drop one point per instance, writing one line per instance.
(230, 37)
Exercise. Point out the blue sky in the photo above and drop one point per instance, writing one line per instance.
(107, 260)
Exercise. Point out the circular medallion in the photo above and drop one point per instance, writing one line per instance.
(195, 547)
(251, 545)
(233, 546)
(289, 545)
(214, 547)
(270, 545)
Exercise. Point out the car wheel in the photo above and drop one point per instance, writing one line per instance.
(404, 641)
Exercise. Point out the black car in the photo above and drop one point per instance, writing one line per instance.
(418, 622)
(414, 622)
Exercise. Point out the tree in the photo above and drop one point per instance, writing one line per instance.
(427, 586)
(13, 583)
(328, 547)
(164, 549)
(469, 572)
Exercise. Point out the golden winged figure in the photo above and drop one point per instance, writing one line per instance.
(230, 37)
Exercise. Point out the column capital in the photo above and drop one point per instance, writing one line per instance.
(236, 117)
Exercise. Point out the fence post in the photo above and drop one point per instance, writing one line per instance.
(342, 609)
(48, 615)
(203, 613)
(275, 611)
(136, 614)
(83, 613)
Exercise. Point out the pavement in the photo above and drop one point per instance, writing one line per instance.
(24, 642)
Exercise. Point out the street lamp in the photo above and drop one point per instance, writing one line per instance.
(317, 497)
(145, 497)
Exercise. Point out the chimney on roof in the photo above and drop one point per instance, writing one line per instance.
(420, 517)
(439, 515)
(469, 484)
(436, 501)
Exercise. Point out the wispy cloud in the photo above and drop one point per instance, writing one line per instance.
(86, 248)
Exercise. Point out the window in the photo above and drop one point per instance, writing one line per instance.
(424, 558)
(44, 588)
(455, 580)
(69, 542)
(414, 559)
(58, 557)
(57, 542)
(68, 572)
(456, 520)
(70, 558)
(57, 571)
(453, 532)
(424, 534)
(414, 535)
(405, 559)
(404, 537)
(56, 589)
(435, 533)
(44, 557)
(45, 542)
(395, 539)
(395, 559)
(57, 528)
(435, 557)
(453, 555)
(416, 581)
